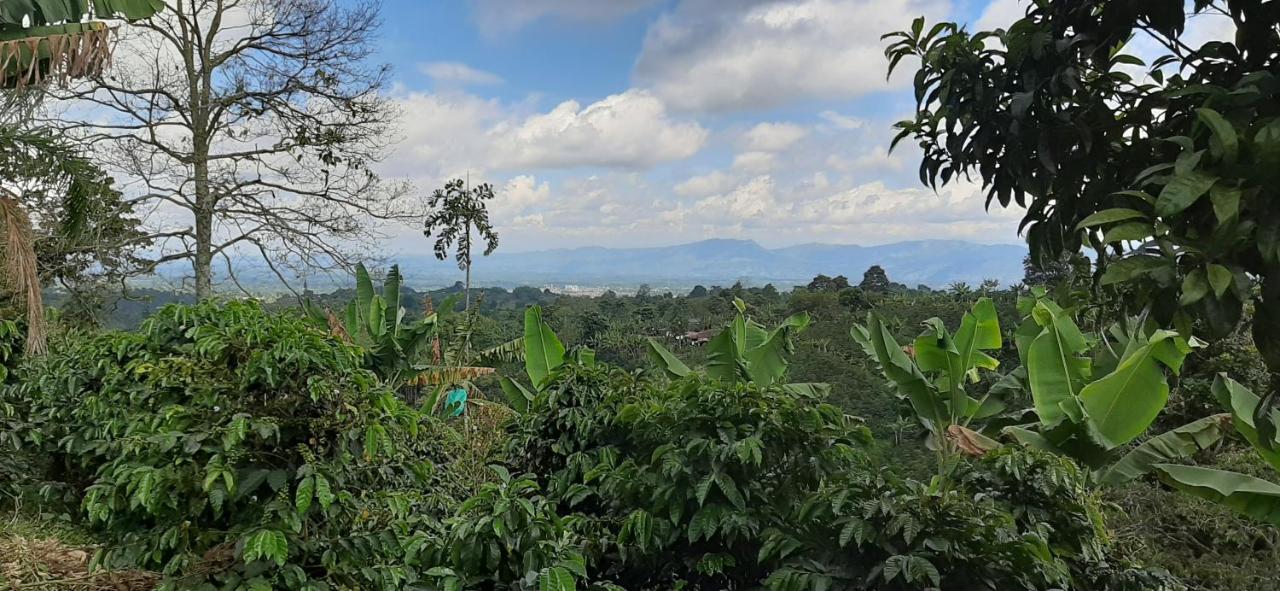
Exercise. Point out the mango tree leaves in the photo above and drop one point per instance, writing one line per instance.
(1245, 494)
(1108, 216)
(1224, 142)
(544, 352)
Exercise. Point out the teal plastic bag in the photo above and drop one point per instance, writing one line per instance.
(456, 402)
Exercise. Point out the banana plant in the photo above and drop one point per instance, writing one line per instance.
(1245, 494)
(1093, 395)
(455, 364)
(43, 39)
(376, 322)
(544, 354)
(745, 351)
(937, 373)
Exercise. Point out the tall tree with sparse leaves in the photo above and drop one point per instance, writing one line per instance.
(257, 123)
(457, 210)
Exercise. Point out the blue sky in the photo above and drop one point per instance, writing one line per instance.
(650, 122)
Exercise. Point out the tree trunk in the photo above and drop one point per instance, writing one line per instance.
(203, 260)
(466, 241)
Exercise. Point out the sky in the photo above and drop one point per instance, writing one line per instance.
(652, 122)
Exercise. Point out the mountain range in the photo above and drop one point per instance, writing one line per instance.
(936, 263)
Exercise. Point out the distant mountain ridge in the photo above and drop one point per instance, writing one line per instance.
(936, 263)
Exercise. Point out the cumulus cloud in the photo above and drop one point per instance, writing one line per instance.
(703, 185)
(628, 130)
(520, 193)
(843, 122)
(504, 16)
(867, 213)
(754, 162)
(446, 133)
(765, 53)
(457, 73)
(773, 137)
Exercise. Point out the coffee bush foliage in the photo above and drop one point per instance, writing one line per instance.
(231, 448)
(698, 484)
(228, 447)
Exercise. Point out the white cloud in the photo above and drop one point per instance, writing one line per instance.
(773, 137)
(844, 122)
(505, 16)
(628, 130)
(521, 193)
(750, 201)
(448, 133)
(765, 53)
(754, 162)
(703, 185)
(457, 73)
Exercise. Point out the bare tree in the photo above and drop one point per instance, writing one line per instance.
(248, 127)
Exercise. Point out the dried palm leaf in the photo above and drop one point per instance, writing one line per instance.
(21, 272)
(431, 376)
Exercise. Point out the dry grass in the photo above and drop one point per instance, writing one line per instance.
(30, 560)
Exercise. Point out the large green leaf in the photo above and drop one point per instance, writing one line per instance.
(1055, 368)
(364, 286)
(1242, 404)
(1178, 444)
(391, 294)
(1122, 404)
(667, 361)
(557, 579)
(912, 385)
(1183, 191)
(724, 360)
(766, 364)
(544, 352)
(517, 395)
(1226, 144)
(1245, 494)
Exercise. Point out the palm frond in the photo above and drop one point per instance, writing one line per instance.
(21, 272)
(434, 376)
(55, 54)
(508, 352)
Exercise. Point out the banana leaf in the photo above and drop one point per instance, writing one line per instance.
(1244, 494)
(1177, 444)
(544, 352)
(666, 360)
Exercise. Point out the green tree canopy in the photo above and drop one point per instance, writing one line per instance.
(1167, 168)
(457, 209)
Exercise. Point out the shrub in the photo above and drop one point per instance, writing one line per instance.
(226, 446)
(699, 484)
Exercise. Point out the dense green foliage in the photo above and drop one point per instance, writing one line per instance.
(231, 445)
(241, 448)
(1168, 175)
(617, 473)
